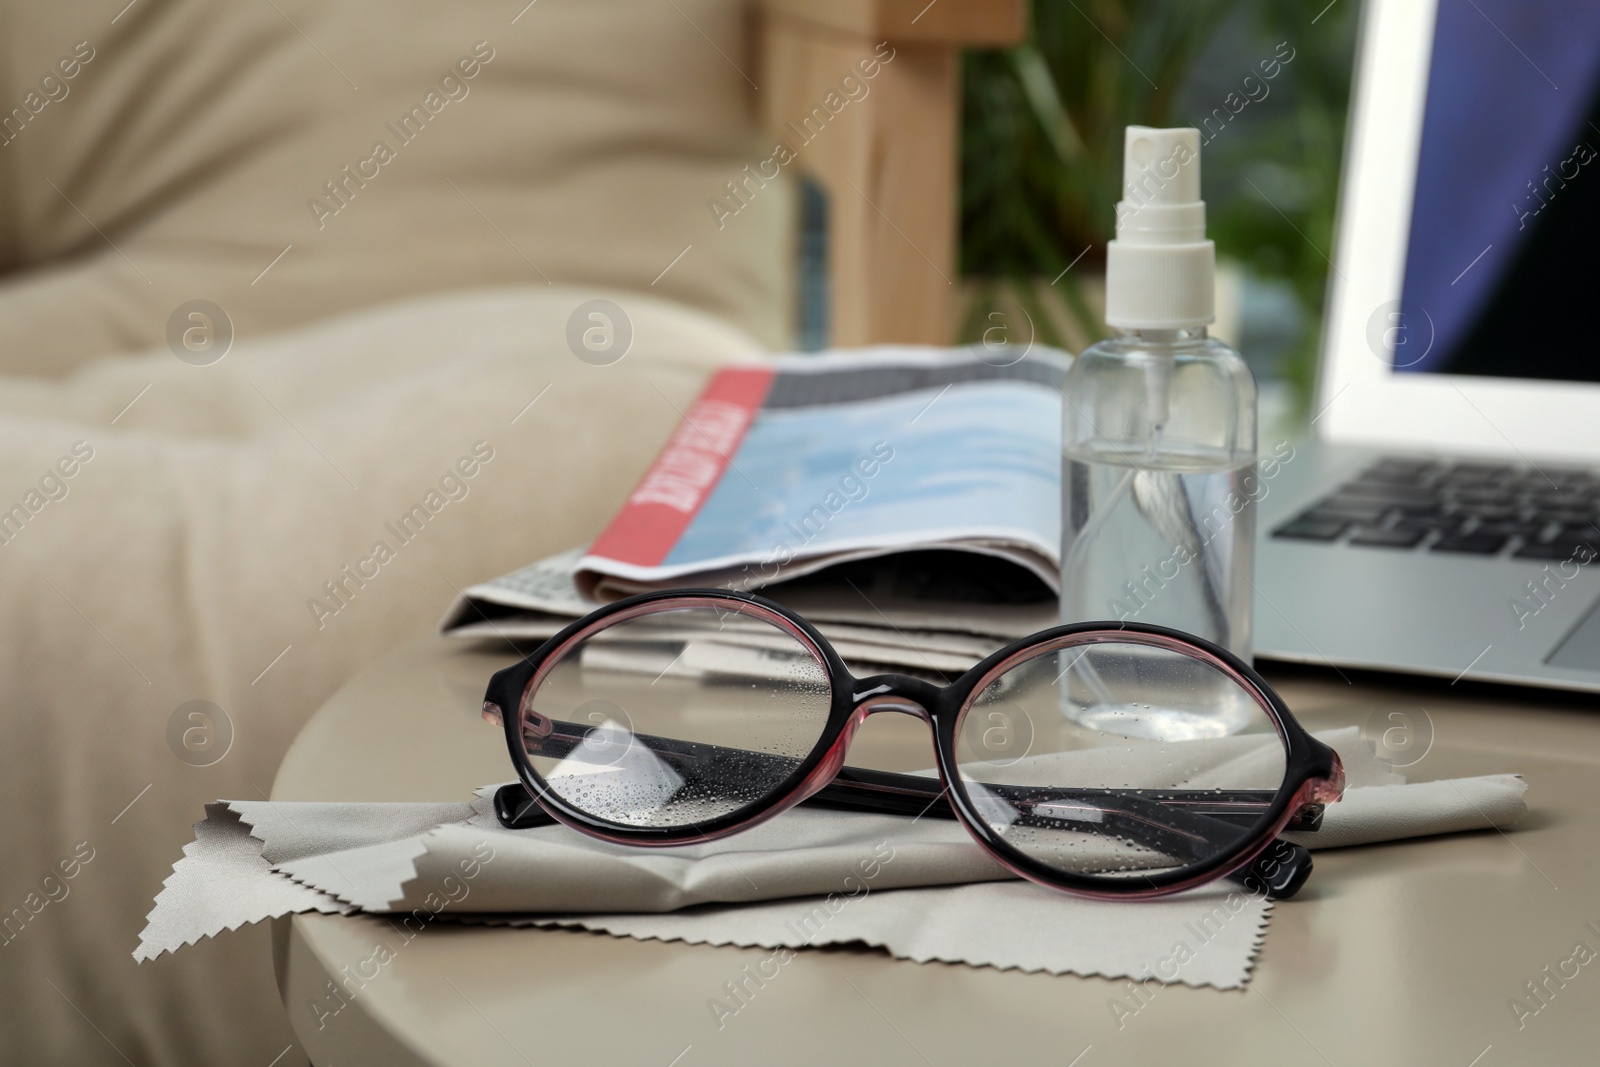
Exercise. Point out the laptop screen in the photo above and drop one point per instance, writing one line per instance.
(1502, 274)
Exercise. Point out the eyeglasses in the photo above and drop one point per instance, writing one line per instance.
(1108, 760)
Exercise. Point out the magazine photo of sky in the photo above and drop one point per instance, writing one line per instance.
(980, 459)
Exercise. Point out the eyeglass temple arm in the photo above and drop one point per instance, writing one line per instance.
(893, 793)
(1176, 821)
(1181, 823)
(860, 789)
(1278, 873)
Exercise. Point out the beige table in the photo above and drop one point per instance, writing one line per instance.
(1396, 954)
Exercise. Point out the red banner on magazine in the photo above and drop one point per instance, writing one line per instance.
(677, 484)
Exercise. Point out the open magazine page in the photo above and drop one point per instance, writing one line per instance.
(794, 464)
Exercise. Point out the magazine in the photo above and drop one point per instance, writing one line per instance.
(905, 500)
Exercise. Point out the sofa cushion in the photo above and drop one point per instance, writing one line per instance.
(291, 160)
(188, 546)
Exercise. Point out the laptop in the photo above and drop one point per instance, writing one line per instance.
(1445, 519)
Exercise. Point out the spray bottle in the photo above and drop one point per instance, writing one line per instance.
(1159, 438)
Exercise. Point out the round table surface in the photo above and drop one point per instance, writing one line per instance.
(1409, 952)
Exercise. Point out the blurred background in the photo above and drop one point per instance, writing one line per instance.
(1041, 162)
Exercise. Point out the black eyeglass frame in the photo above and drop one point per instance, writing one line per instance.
(1313, 774)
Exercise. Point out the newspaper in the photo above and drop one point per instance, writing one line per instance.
(904, 500)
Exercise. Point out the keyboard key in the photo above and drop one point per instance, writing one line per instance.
(1445, 527)
(1489, 512)
(1307, 528)
(1402, 465)
(1381, 491)
(1562, 502)
(1391, 538)
(1528, 531)
(1565, 518)
(1485, 498)
(1348, 511)
(1578, 532)
(1555, 550)
(1481, 471)
(1571, 481)
(1395, 478)
(1422, 510)
(1477, 544)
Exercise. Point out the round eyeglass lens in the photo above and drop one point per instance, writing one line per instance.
(1082, 754)
(670, 715)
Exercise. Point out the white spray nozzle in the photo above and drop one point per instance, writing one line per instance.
(1161, 166)
(1160, 270)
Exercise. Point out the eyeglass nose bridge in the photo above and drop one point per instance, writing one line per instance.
(871, 696)
(894, 692)
(877, 703)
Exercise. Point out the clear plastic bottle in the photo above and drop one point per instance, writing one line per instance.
(1159, 447)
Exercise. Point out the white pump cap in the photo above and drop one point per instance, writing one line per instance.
(1160, 270)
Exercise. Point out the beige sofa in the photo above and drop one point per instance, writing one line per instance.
(391, 213)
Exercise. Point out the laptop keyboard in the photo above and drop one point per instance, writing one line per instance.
(1480, 509)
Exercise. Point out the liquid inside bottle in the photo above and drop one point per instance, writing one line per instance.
(1163, 537)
